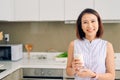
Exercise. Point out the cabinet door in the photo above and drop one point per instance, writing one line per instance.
(117, 74)
(6, 10)
(74, 7)
(9, 77)
(51, 10)
(16, 75)
(26, 10)
(108, 9)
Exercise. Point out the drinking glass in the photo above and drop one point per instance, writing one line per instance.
(28, 47)
(80, 57)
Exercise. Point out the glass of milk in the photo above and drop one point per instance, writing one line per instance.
(80, 57)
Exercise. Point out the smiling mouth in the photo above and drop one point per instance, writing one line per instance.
(90, 30)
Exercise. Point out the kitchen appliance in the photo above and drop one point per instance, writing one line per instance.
(42, 74)
(11, 52)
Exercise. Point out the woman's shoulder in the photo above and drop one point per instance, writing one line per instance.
(103, 41)
(74, 41)
(109, 44)
(71, 43)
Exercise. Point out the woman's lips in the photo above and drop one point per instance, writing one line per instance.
(90, 30)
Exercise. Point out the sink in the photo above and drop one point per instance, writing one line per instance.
(1, 70)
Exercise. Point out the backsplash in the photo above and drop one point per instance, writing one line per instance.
(52, 35)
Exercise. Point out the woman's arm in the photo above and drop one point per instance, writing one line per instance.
(69, 69)
(110, 65)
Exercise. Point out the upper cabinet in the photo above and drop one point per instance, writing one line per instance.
(6, 10)
(39, 10)
(56, 10)
(74, 7)
(26, 10)
(51, 10)
(108, 9)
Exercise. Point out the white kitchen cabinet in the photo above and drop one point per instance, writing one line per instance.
(108, 9)
(6, 10)
(74, 7)
(51, 10)
(26, 10)
(39, 10)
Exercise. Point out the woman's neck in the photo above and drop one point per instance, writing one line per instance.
(90, 38)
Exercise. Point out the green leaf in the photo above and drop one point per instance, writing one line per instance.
(62, 55)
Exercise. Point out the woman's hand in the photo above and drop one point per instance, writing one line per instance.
(77, 65)
(86, 73)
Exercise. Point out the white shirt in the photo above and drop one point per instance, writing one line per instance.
(94, 55)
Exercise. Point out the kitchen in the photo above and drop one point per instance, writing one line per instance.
(43, 33)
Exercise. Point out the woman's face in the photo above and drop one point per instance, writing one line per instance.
(89, 25)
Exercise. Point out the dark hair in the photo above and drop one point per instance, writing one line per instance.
(79, 32)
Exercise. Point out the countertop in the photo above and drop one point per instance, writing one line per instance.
(36, 62)
(33, 62)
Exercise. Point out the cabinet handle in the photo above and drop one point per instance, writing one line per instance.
(42, 73)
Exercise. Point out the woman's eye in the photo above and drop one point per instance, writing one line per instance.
(92, 21)
(84, 22)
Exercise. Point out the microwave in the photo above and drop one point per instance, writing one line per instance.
(11, 52)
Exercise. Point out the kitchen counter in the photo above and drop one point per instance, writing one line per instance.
(117, 61)
(35, 61)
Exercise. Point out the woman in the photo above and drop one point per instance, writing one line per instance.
(98, 54)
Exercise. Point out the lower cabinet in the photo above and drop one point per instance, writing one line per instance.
(42, 74)
(16, 75)
(66, 77)
(117, 75)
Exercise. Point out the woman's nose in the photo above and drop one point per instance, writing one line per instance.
(89, 25)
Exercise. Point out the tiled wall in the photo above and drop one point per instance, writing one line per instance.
(56, 35)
